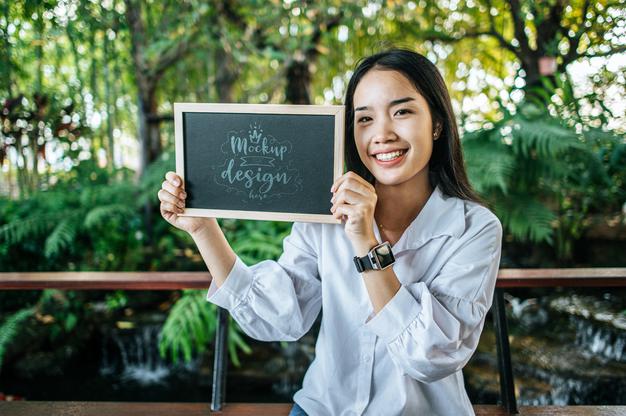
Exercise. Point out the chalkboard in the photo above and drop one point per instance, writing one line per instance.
(266, 161)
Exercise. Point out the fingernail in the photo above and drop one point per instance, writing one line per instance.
(176, 182)
(184, 194)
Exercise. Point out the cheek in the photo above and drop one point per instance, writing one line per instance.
(361, 144)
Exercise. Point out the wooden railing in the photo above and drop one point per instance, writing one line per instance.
(507, 278)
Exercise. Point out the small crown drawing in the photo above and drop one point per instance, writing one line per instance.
(255, 133)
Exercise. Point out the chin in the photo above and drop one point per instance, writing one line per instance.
(389, 179)
(386, 179)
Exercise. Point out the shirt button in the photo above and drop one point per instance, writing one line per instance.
(367, 358)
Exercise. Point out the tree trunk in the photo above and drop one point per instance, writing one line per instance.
(298, 81)
(225, 76)
(7, 52)
(109, 110)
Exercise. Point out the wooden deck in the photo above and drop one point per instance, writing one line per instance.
(23, 408)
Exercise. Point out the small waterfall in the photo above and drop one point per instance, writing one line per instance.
(133, 355)
(583, 362)
(600, 340)
(565, 391)
(599, 325)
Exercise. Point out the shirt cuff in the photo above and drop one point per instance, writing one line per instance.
(395, 316)
(234, 289)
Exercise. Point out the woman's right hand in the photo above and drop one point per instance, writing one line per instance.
(172, 196)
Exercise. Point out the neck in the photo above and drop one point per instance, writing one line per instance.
(398, 205)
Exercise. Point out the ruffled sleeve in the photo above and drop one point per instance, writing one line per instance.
(276, 300)
(431, 331)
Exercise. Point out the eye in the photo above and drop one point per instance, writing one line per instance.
(403, 111)
(363, 119)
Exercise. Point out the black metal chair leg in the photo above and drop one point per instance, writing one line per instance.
(507, 386)
(220, 362)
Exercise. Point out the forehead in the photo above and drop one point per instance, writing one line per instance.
(383, 85)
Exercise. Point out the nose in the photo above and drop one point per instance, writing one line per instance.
(383, 130)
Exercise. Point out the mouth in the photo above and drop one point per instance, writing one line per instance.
(390, 158)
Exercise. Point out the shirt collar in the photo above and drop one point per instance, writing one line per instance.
(441, 215)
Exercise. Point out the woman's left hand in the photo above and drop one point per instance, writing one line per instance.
(354, 201)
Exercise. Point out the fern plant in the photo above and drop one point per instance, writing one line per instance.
(190, 327)
(64, 227)
(191, 323)
(9, 329)
(539, 168)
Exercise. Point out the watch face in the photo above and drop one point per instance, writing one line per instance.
(385, 256)
(383, 250)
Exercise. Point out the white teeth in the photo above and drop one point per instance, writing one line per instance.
(390, 155)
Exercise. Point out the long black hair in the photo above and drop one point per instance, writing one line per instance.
(446, 166)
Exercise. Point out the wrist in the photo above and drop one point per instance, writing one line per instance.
(204, 229)
(363, 246)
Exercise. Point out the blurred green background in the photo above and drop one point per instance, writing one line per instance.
(87, 90)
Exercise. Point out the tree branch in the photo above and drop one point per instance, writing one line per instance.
(548, 29)
(137, 37)
(173, 54)
(494, 32)
(320, 28)
(433, 35)
(518, 27)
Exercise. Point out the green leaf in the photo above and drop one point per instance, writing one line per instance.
(61, 237)
(11, 327)
(70, 322)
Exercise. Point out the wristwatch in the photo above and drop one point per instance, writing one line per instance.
(378, 258)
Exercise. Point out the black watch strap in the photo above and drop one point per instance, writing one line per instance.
(363, 263)
(378, 258)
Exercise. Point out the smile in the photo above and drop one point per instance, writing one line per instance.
(390, 156)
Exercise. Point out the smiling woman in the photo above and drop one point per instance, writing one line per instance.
(404, 302)
(393, 132)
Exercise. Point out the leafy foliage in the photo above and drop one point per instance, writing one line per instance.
(190, 325)
(89, 209)
(11, 327)
(541, 168)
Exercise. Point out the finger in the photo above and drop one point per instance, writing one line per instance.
(356, 186)
(169, 207)
(338, 182)
(178, 192)
(354, 176)
(173, 178)
(357, 181)
(168, 215)
(348, 196)
(165, 196)
(344, 210)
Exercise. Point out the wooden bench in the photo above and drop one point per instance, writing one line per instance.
(507, 278)
(250, 409)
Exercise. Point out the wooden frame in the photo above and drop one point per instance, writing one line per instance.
(338, 112)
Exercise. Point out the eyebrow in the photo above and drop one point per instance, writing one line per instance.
(391, 103)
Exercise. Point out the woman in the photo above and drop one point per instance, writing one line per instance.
(395, 334)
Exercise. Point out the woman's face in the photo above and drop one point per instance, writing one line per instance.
(392, 127)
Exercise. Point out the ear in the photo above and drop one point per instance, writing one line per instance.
(437, 131)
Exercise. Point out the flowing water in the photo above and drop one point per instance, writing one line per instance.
(567, 348)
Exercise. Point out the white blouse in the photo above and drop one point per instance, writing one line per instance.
(407, 359)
